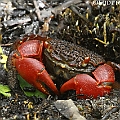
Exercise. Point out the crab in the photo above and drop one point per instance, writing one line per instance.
(35, 58)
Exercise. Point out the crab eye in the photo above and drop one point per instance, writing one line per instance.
(85, 61)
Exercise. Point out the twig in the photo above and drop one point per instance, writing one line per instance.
(111, 111)
(65, 5)
(80, 15)
(47, 13)
(5, 45)
(37, 9)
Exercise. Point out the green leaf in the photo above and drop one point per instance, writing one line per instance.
(23, 84)
(5, 90)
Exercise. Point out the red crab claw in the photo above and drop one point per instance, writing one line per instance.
(32, 48)
(88, 86)
(33, 71)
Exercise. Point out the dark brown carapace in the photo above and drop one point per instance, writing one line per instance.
(68, 59)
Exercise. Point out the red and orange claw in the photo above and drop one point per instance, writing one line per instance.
(32, 48)
(88, 87)
(104, 73)
(33, 71)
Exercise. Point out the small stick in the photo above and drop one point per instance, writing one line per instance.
(5, 45)
(37, 9)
